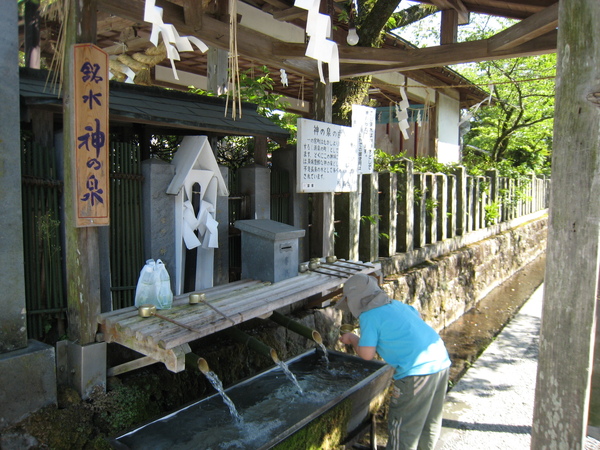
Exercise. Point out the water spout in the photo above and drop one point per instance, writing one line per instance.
(253, 343)
(296, 327)
(302, 330)
(196, 362)
(263, 349)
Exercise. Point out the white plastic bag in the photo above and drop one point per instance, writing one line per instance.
(154, 286)
(165, 295)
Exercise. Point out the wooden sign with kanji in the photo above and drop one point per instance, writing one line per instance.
(91, 127)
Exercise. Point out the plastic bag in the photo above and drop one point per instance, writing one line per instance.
(154, 286)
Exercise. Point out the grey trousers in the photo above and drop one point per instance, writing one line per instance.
(415, 414)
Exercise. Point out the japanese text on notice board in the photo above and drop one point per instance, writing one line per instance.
(363, 120)
(326, 157)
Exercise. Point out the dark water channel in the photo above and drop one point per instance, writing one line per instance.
(270, 406)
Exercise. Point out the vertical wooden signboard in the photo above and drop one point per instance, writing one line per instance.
(363, 120)
(91, 127)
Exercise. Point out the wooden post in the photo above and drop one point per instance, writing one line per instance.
(406, 218)
(420, 211)
(451, 216)
(461, 200)
(347, 227)
(430, 208)
(571, 283)
(261, 151)
(442, 205)
(478, 202)
(493, 192)
(369, 223)
(81, 244)
(470, 204)
(388, 206)
(321, 233)
(449, 26)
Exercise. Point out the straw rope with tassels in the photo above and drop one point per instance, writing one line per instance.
(140, 63)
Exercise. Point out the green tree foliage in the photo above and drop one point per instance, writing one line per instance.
(515, 130)
(518, 125)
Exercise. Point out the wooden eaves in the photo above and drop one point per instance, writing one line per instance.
(535, 34)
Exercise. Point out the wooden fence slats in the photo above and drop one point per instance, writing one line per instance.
(405, 218)
(415, 210)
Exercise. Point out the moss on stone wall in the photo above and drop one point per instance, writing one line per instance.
(324, 433)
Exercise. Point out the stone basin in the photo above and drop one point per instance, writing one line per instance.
(337, 395)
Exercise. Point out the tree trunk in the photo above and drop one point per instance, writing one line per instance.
(347, 93)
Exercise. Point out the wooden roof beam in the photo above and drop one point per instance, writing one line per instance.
(445, 55)
(449, 26)
(526, 30)
(456, 5)
(347, 54)
(290, 14)
(214, 33)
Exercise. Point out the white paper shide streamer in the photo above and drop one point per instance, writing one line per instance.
(318, 28)
(174, 43)
(402, 113)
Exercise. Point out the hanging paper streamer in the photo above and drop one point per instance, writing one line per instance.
(173, 42)
(284, 78)
(402, 113)
(318, 28)
(471, 112)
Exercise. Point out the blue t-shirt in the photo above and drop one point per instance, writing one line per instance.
(403, 340)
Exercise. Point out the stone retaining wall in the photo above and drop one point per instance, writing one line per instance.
(446, 287)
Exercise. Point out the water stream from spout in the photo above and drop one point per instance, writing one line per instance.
(290, 375)
(216, 382)
(325, 354)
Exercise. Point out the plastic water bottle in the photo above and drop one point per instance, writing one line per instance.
(145, 292)
(165, 295)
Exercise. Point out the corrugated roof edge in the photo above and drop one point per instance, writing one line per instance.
(40, 86)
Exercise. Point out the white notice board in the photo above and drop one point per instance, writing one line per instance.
(327, 160)
(363, 120)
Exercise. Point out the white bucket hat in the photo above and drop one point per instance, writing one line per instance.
(362, 293)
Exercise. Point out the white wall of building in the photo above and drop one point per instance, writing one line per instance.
(448, 144)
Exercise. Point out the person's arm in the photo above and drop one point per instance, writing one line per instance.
(367, 353)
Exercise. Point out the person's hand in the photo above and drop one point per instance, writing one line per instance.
(348, 338)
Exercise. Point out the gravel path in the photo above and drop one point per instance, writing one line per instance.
(491, 407)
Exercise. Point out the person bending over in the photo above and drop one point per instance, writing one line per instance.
(396, 332)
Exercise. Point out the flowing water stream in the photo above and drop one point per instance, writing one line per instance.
(271, 408)
(216, 383)
(290, 375)
(325, 354)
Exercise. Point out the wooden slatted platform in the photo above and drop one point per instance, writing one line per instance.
(164, 341)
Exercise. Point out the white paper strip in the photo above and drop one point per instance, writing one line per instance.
(130, 75)
(318, 27)
(154, 15)
(198, 43)
(307, 4)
